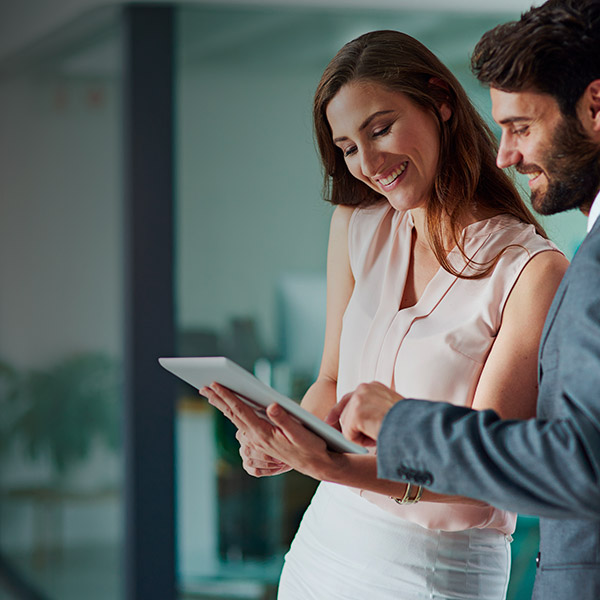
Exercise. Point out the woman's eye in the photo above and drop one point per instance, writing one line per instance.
(383, 131)
(349, 151)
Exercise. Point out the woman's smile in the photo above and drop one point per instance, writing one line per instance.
(389, 181)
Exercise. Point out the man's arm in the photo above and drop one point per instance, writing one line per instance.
(536, 467)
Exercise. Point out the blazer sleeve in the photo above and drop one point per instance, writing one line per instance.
(547, 467)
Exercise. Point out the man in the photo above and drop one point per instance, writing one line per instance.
(544, 78)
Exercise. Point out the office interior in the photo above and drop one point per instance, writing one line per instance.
(234, 265)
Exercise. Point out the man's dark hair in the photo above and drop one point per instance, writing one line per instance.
(553, 49)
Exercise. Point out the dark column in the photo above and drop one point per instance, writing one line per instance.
(149, 308)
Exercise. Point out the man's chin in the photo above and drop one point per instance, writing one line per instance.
(542, 207)
(539, 205)
(547, 204)
(556, 199)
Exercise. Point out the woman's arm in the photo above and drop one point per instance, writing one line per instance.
(508, 383)
(321, 396)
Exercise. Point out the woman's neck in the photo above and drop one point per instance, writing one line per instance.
(419, 217)
(421, 233)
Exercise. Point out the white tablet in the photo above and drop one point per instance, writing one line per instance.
(202, 371)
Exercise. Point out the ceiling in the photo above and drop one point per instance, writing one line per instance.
(244, 37)
(26, 22)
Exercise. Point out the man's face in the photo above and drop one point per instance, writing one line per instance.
(562, 163)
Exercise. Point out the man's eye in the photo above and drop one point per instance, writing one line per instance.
(520, 131)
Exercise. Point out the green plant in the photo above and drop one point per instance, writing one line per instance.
(62, 410)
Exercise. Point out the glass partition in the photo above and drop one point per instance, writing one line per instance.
(61, 314)
(251, 251)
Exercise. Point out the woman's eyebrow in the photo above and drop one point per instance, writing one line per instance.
(365, 123)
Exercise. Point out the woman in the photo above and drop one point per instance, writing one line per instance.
(439, 280)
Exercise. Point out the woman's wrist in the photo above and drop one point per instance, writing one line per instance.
(348, 469)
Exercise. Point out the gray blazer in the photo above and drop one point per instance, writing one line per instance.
(548, 466)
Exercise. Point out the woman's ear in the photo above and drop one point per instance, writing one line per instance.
(445, 111)
(442, 93)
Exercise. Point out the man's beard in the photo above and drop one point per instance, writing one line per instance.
(572, 166)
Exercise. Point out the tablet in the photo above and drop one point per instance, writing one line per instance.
(202, 371)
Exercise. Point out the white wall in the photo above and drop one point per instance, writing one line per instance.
(60, 218)
(249, 194)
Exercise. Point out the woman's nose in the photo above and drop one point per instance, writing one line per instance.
(371, 161)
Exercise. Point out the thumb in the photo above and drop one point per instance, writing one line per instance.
(280, 417)
(285, 423)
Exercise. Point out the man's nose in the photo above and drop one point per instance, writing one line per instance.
(508, 155)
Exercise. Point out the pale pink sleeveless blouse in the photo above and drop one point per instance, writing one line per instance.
(436, 349)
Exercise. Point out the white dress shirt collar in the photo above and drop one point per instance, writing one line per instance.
(594, 212)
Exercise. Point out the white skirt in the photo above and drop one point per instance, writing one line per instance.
(347, 548)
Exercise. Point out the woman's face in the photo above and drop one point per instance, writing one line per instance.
(388, 141)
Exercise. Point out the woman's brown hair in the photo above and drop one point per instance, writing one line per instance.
(467, 175)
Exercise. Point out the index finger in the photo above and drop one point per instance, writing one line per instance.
(333, 417)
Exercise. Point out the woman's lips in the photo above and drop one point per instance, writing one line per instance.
(388, 181)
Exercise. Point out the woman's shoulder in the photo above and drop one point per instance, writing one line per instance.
(377, 208)
(359, 219)
(513, 246)
(539, 278)
(369, 230)
(543, 263)
(372, 216)
(507, 230)
(551, 263)
(342, 215)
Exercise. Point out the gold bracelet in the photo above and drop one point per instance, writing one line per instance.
(406, 499)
